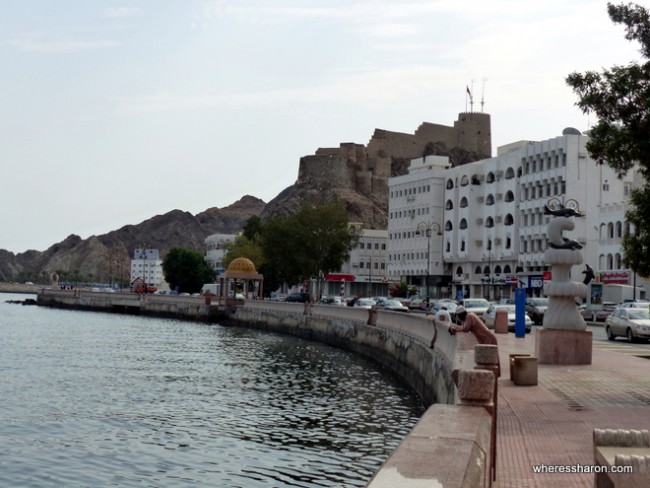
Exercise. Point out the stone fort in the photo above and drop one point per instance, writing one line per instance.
(366, 169)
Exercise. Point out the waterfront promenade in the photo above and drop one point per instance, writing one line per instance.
(552, 423)
(539, 427)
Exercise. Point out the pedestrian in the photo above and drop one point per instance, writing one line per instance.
(443, 315)
(471, 323)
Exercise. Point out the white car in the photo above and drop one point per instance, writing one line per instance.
(394, 305)
(476, 305)
(364, 303)
(490, 317)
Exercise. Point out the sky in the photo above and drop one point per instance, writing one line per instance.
(113, 112)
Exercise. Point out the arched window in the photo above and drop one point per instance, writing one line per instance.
(507, 269)
(449, 205)
(464, 181)
(490, 177)
(619, 261)
(510, 197)
(510, 173)
(508, 219)
(610, 231)
(486, 271)
(450, 184)
(463, 202)
(497, 269)
(489, 222)
(619, 229)
(463, 224)
(449, 226)
(477, 271)
(459, 270)
(448, 247)
(490, 199)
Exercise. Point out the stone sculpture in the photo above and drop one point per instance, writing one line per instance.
(562, 312)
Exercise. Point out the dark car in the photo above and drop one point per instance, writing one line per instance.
(536, 308)
(298, 297)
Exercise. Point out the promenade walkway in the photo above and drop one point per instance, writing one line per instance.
(552, 423)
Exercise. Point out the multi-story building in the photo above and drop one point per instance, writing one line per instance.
(364, 273)
(146, 267)
(415, 225)
(494, 222)
(215, 245)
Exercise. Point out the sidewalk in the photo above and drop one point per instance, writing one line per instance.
(552, 423)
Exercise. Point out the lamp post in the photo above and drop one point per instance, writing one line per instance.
(427, 228)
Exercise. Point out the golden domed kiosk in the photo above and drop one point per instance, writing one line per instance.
(240, 281)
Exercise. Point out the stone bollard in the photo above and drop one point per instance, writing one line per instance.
(372, 316)
(476, 387)
(501, 322)
(486, 356)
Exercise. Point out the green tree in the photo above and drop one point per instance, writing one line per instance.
(246, 247)
(620, 97)
(309, 244)
(186, 270)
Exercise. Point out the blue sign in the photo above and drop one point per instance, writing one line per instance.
(536, 281)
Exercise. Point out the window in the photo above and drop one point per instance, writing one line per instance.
(510, 197)
(490, 177)
(463, 202)
(449, 205)
(463, 224)
(464, 181)
(510, 173)
(490, 199)
(509, 219)
(450, 184)
(489, 222)
(449, 226)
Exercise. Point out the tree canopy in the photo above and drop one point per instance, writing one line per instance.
(294, 248)
(620, 97)
(186, 271)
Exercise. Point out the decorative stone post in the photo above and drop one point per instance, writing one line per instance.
(564, 339)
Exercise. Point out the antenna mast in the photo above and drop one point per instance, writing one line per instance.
(482, 94)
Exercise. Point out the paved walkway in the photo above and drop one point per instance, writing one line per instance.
(552, 423)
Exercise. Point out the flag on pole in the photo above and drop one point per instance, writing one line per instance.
(468, 92)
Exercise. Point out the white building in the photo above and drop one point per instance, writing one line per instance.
(493, 221)
(415, 224)
(215, 245)
(146, 266)
(364, 273)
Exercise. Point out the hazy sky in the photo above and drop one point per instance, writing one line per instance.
(113, 112)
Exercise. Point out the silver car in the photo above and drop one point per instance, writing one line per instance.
(491, 314)
(633, 323)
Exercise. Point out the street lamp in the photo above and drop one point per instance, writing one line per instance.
(427, 228)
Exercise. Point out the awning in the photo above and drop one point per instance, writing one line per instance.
(340, 277)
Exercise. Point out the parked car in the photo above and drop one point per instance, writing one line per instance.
(297, 297)
(364, 303)
(593, 314)
(636, 304)
(450, 304)
(338, 301)
(394, 305)
(633, 323)
(491, 314)
(536, 308)
(476, 305)
(418, 304)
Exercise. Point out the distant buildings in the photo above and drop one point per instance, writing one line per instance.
(146, 267)
(215, 246)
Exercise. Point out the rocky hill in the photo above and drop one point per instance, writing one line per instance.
(100, 258)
